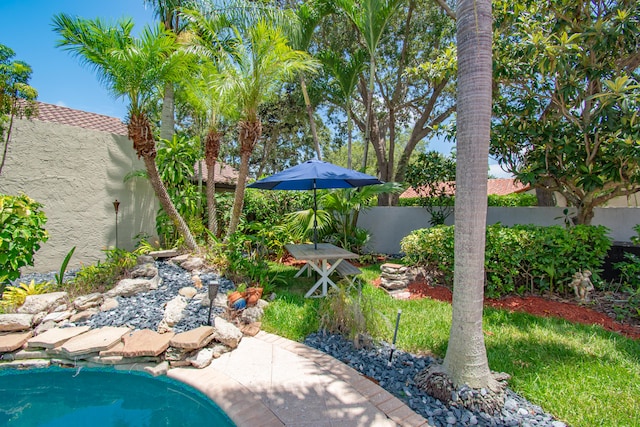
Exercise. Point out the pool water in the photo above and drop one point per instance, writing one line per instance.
(101, 398)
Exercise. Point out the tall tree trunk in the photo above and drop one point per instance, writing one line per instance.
(167, 204)
(585, 214)
(140, 133)
(212, 150)
(6, 141)
(312, 122)
(249, 134)
(167, 124)
(466, 358)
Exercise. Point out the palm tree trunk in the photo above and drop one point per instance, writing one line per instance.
(249, 134)
(312, 122)
(212, 150)
(466, 358)
(167, 124)
(167, 204)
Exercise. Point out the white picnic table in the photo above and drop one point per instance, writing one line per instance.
(324, 260)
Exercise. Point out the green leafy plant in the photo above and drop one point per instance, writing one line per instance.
(21, 234)
(102, 276)
(519, 258)
(14, 296)
(63, 267)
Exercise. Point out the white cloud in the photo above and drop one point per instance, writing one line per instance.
(61, 104)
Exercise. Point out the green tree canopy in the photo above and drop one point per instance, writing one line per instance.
(566, 109)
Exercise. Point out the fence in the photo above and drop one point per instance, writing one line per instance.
(389, 224)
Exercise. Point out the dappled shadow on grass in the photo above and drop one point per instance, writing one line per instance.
(583, 374)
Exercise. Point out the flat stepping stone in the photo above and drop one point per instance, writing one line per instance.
(146, 342)
(193, 339)
(94, 341)
(14, 341)
(168, 253)
(56, 336)
(116, 350)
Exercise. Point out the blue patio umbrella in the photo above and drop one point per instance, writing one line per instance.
(313, 175)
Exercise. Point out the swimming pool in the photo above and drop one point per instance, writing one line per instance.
(58, 397)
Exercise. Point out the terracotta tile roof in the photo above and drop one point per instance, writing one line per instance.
(225, 174)
(500, 186)
(82, 119)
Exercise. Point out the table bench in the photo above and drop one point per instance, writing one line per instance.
(346, 269)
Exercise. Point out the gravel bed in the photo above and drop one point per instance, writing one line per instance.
(397, 379)
(145, 310)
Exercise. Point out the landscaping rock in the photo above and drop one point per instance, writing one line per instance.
(55, 337)
(167, 253)
(192, 264)
(83, 315)
(188, 292)
(93, 341)
(226, 333)
(15, 322)
(160, 369)
(57, 316)
(13, 341)
(109, 304)
(145, 343)
(144, 270)
(202, 358)
(44, 302)
(44, 326)
(394, 276)
(251, 314)
(129, 287)
(193, 339)
(88, 301)
(173, 313)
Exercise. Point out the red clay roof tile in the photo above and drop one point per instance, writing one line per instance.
(82, 119)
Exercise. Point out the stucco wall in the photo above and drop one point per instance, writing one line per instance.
(77, 174)
(389, 225)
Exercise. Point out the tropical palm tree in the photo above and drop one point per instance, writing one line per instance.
(255, 58)
(131, 67)
(466, 358)
(167, 11)
(370, 18)
(209, 107)
(346, 75)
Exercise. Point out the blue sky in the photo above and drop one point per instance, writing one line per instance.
(59, 77)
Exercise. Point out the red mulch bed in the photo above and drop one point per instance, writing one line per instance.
(532, 304)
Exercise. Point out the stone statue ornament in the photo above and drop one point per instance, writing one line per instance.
(582, 285)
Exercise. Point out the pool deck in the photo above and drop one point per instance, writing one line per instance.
(272, 381)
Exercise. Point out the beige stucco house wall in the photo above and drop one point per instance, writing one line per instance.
(74, 163)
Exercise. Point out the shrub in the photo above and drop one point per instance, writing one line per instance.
(101, 277)
(519, 258)
(513, 199)
(14, 296)
(21, 234)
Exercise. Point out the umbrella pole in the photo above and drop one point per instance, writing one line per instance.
(315, 217)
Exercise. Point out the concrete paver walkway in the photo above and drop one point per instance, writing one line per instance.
(273, 381)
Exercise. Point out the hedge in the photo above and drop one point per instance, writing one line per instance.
(517, 259)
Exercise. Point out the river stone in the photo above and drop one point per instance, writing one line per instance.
(93, 341)
(226, 333)
(145, 343)
(193, 339)
(44, 302)
(13, 341)
(15, 322)
(55, 337)
(88, 301)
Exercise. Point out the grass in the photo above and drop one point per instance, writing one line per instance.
(584, 375)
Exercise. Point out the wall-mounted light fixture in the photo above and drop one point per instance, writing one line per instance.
(116, 205)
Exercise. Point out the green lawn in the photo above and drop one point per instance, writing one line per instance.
(584, 375)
